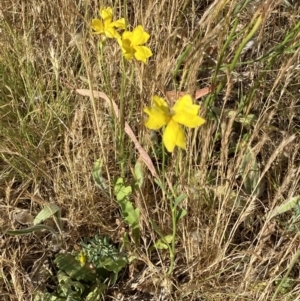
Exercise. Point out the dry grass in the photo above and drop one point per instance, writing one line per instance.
(227, 247)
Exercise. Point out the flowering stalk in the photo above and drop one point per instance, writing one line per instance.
(122, 119)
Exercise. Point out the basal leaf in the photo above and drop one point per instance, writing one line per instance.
(114, 265)
(72, 267)
(31, 230)
(69, 287)
(48, 211)
(97, 292)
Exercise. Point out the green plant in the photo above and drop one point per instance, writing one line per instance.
(168, 241)
(86, 274)
(105, 258)
(122, 194)
(130, 214)
(50, 210)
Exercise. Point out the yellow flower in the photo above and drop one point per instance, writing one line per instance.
(183, 112)
(81, 257)
(106, 27)
(132, 44)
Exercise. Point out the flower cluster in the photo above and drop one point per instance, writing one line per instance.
(131, 42)
(105, 26)
(184, 112)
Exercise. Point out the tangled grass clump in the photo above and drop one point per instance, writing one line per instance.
(96, 200)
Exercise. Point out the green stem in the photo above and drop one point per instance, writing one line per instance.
(174, 230)
(257, 24)
(173, 213)
(122, 118)
(163, 163)
(103, 68)
(132, 102)
(245, 41)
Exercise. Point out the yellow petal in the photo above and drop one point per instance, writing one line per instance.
(116, 35)
(185, 103)
(186, 112)
(159, 102)
(127, 35)
(106, 14)
(142, 53)
(139, 36)
(157, 118)
(188, 120)
(97, 26)
(173, 136)
(119, 23)
(110, 32)
(127, 50)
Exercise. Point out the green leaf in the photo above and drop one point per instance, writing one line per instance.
(97, 292)
(160, 184)
(49, 210)
(289, 205)
(31, 230)
(97, 175)
(163, 243)
(181, 213)
(250, 173)
(179, 199)
(69, 287)
(248, 120)
(45, 296)
(113, 264)
(72, 267)
(131, 215)
(121, 191)
(139, 173)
